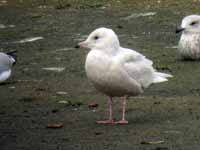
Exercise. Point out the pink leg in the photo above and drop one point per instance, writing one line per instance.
(110, 120)
(123, 120)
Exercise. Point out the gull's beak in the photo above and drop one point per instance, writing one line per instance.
(83, 44)
(179, 29)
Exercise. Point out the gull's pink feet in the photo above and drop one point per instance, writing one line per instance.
(106, 122)
(121, 122)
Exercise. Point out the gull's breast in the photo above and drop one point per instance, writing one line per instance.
(189, 46)
(98, 68)
(4, 75)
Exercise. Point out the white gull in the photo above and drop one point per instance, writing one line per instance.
(117, 71)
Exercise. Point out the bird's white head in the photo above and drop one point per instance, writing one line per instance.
(190, 24)
(101, 39)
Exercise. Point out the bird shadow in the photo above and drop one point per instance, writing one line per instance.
(188, 60)
(8, 83)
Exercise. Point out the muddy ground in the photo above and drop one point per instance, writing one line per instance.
(165, 117)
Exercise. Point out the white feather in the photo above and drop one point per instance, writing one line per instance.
(161, 77)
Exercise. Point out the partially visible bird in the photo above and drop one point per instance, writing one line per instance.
(189, 44)
(117, 71)
(7, 60)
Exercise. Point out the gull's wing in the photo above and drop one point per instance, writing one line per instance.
(3, 69)
(4, 60)
(137, 66)
(4, 73)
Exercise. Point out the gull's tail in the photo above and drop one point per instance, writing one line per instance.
(13, 56)
(161, 77)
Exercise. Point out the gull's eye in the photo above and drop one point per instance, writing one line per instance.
(96, 37)
(193, 23)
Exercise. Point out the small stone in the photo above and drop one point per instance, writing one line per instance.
(152, 142)
(77, 46)
(64, 102)
(55, 111)
(61, 93)
(98, 133)
(157, 102)
(120, 27)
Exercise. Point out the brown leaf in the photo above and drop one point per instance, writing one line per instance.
(93, 105)
(55, 125)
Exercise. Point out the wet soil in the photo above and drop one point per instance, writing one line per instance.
(165, 117)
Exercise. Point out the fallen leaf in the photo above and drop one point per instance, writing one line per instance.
(55, 125)
(93, 105)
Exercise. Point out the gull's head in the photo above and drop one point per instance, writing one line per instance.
(101, 38)
(190, 24)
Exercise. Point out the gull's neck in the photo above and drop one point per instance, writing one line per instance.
(110, 51)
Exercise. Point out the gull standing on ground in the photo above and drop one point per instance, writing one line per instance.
(7, 60)
(117, 71)
(189, 44)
